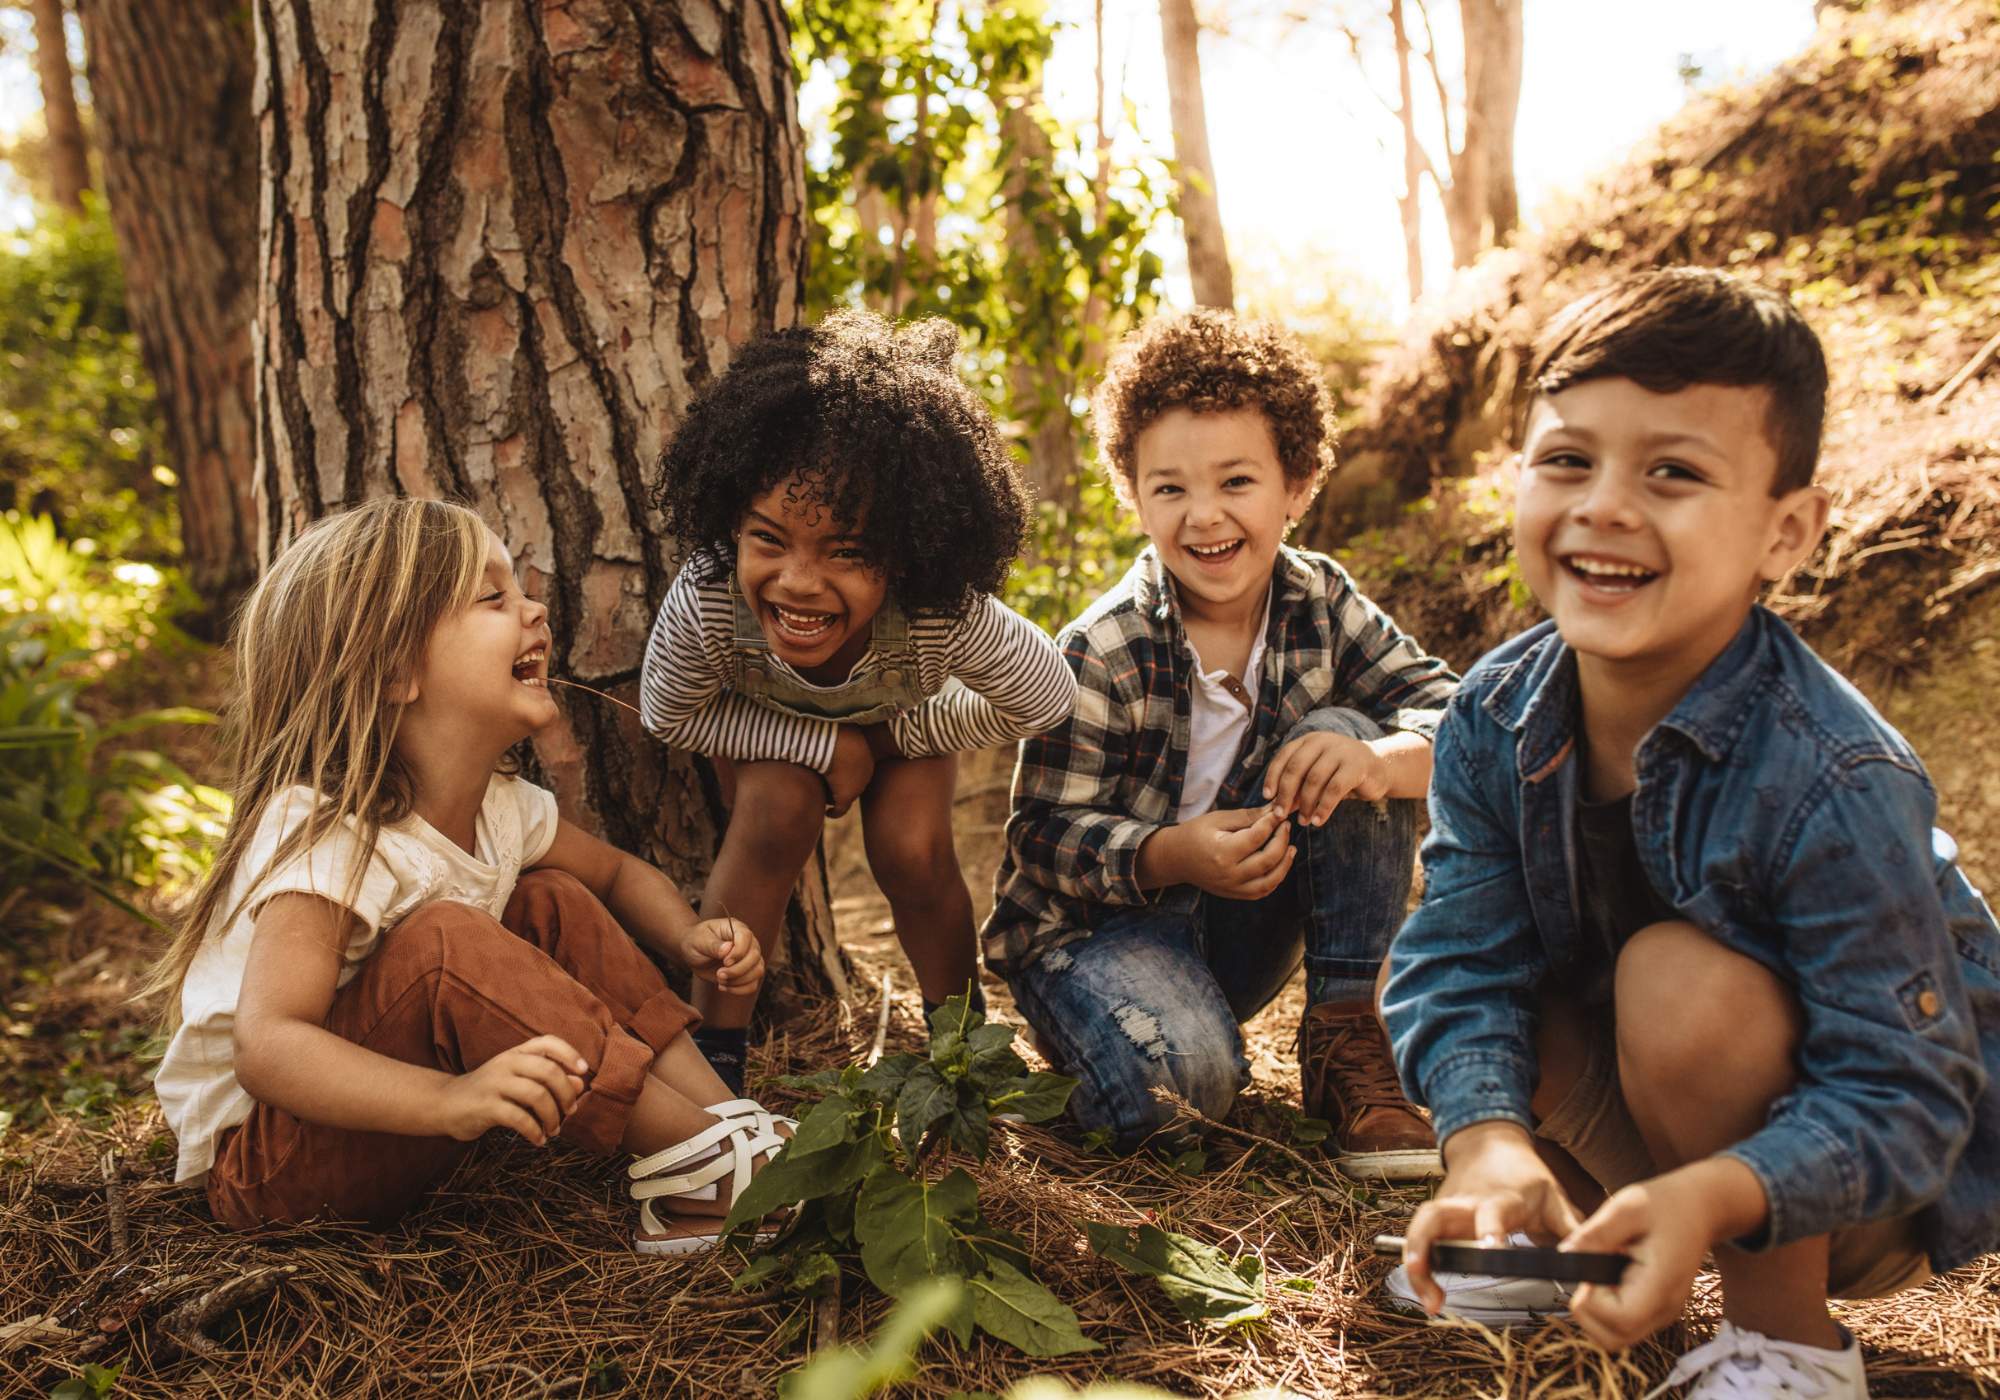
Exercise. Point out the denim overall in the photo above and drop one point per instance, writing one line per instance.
(893, 688)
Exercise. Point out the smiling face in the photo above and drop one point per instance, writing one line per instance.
(485, 669)
(1645, 522)
(1213, 497)
(803, 573)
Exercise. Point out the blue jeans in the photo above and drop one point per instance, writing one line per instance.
(1154, 998)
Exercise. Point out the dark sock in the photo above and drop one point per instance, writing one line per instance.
(975, 998)
(727, 1050)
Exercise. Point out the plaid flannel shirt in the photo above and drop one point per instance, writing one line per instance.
(1089, 792)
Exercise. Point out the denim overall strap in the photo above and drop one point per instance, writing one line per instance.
(894, 685)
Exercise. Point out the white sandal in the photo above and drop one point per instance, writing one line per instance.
(727, 1148)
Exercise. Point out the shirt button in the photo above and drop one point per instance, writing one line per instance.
(1928, 1003)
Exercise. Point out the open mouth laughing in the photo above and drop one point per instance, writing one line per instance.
(1607, 575)
(798, 627)
(531, 668)
(1217, 554)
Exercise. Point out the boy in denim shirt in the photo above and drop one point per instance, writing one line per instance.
(1688, 935)
(1214, 809)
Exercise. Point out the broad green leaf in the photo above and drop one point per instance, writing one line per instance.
(1202, 1281)
(909, 1229)
(760, 1272)
(926, 1097)
(969, 1125)
(1022, 1313)
(883, 1080)
(787, 1179)
(1037, 1097)
(829, 1124)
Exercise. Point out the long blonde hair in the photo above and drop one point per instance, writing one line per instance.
(337, 622)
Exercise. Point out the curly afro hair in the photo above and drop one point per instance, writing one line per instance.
(875, 426)
(1207, 361)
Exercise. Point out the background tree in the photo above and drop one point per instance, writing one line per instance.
(170, 83)
(68, 154)
(1040, 246)
(1474, 177)
(502, 246)
(1195, 199)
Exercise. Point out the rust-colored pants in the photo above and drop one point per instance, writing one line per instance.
(450, 988)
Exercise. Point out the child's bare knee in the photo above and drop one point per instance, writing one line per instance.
(780, 808)
(911, 862)
(1683, 999)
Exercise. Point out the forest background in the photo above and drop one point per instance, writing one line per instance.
(270, 258)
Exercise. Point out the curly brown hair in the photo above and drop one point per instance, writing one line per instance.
(1208, 361)
(873, 423)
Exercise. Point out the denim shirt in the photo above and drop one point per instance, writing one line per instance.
(1779, 813)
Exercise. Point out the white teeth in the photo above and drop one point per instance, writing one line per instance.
(1212, 551)
(804, 624)
(1608, 568)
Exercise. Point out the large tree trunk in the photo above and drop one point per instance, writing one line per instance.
(170, 81)
(1196, 202)
(69, 158)
(502, 245)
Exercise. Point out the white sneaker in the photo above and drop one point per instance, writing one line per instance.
(1483, 1298)
(1744, 1365)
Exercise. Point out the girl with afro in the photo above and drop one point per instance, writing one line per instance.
(848, 508)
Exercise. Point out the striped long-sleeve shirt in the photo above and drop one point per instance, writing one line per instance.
(1089, 793)
(1012, 683)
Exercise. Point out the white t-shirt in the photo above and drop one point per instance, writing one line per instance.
(1218, 717)
(412, 864)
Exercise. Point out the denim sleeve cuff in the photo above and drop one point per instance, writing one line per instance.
(1477, 1088)
(1424, 722)
(1810, 1184)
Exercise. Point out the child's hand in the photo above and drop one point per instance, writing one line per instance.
(1236, 854)
(1664, 1225)
(725, 952)
(1496, 1185)
(529, 1089)
(853, 769)
(1309, 776)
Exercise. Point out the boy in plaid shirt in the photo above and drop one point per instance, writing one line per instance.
(1238, 786)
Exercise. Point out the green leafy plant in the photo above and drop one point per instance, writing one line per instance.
(1199, 1279)
(73, 802)
(90, 1383)
(861, 1172)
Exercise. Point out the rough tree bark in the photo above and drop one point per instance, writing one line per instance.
(1199, 209)
(170, 82)
(1038, 385)
(502, 244)
(69, 158)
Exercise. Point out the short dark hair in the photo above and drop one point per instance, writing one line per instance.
(1208, 361)
(880, 430)
(1681, 326)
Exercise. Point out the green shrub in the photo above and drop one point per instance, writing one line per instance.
(76, 802)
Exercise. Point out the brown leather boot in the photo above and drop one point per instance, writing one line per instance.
(1350, 1081)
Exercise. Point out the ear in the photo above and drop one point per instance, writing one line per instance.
(404, 692)
(1797, 524)
(1298, 496)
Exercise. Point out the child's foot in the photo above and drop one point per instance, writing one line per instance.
(1744, 1365)
(708, 1171)
(1483, 1298)
(1349, 1080)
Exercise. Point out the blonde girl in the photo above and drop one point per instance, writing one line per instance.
(403, 947)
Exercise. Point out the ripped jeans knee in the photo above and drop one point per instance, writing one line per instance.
(1132, 1012)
